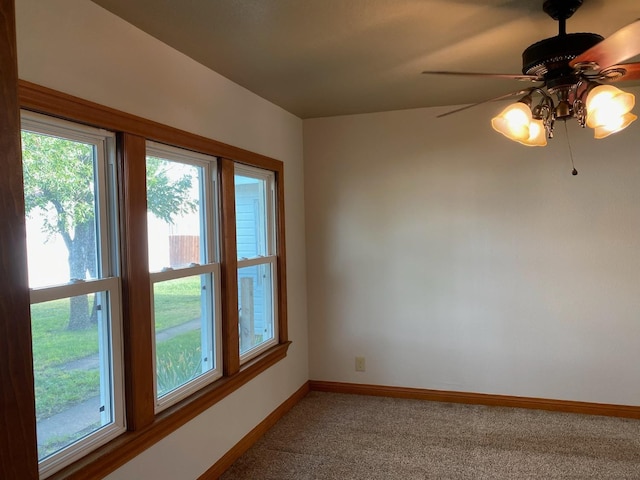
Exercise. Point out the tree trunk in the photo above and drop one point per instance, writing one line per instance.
(79, 313)
(82, 259)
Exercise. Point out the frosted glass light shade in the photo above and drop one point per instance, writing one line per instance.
(606, 130)
(513, 122)
(608, 110)
(537, 134)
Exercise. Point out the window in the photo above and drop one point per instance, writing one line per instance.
(256, 247)
(69, 182)
(135, 284)
(185, 273)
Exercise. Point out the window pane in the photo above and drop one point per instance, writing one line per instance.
(251, 217)
(255, 294)
(59, 188)
(184, 336)
(67, 194)
(72, 370)
(174, 220)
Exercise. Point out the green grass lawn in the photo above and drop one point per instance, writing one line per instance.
(178, 360)
(53, 347)
(175, 301)
(52, 342)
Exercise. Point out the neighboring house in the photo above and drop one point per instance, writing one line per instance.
(251, 240)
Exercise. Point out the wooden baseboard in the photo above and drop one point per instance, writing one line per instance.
(252, 437)
(587, 408)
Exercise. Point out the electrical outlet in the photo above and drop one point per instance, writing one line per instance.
(360, 366)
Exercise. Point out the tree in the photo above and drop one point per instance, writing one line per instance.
(59, 185)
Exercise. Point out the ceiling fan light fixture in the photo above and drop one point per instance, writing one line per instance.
(602, 131)
(537, 134)
(514, 121)
(608, 107)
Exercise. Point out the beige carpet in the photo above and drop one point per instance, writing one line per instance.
(336, 436)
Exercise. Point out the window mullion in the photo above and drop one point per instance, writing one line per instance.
(136, 287)
(229, 263)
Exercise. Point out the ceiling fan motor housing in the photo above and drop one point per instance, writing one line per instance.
(549, 58)
(561, 9)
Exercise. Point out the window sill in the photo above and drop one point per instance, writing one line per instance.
(116, 453)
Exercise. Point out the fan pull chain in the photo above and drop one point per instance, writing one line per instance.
(566, 131)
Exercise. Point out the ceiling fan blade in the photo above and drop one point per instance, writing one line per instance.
(509, 76)
(501, 97)
(631, 72)
(622, 45)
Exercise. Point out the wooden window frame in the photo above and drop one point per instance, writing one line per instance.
(144, 427)
(18, 447)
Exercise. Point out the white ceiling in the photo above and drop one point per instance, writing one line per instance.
(319, 58)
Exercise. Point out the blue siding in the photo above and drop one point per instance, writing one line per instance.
(250, 245)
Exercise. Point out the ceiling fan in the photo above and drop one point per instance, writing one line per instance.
(576, 69)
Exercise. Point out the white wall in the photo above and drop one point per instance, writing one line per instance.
(454, 259)
(76, 47)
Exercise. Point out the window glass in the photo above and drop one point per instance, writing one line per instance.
(59, 181)
(72, 372)
(251, 216)
(184, 350)
(255, 309)
(175, 213)
(255, 220)
(75, 311)
(185, 277)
